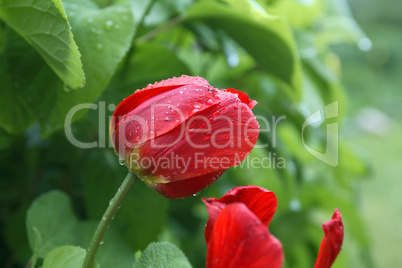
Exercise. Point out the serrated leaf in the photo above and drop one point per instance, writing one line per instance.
(265, 37)
(44, 25)
(65, 257)
(104, 37)
(162, 255)
(50, 223)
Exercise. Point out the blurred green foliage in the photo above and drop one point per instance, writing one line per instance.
(278, 51)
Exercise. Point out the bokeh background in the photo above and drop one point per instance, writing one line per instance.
(292, 56)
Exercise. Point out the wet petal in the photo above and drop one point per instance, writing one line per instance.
(243, 97)
(214, 139)
(151, 91)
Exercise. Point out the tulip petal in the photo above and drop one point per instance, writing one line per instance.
(179, 81)
(160, 113)
(332, 242)
(260, 201)
(139, 96)
(185, 188)
(243, 97)
(214, 139)
(240, 239)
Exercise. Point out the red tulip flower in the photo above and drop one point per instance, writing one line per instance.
(180, 135)
(237, 236)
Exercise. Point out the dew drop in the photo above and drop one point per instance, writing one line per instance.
(209, 102)
(197, 107)
(111, 201)
(197, 193)
(121, 162)
(108, 24)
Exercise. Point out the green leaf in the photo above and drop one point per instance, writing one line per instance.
(150, 62)
(162, 255)
(50, 223)
(65, 257)
(104, 37)
(26, 80)
(265, 37)
(300, 14)
(44, 25)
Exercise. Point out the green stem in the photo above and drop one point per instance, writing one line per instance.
(149, 36)
(108, 216)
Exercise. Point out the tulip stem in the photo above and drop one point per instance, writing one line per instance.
(108, 216)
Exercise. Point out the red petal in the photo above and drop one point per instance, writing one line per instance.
(216, 138)
(180, 81)
(261, 202)
(239, 239)
(332, 242)
(243, 97)
(140, 96)
(188, 187)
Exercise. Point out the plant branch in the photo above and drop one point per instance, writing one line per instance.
(149, 36)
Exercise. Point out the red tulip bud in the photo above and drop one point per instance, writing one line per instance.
(180, 135)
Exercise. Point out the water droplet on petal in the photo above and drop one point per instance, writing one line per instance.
(121, 161)
(209, 102)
